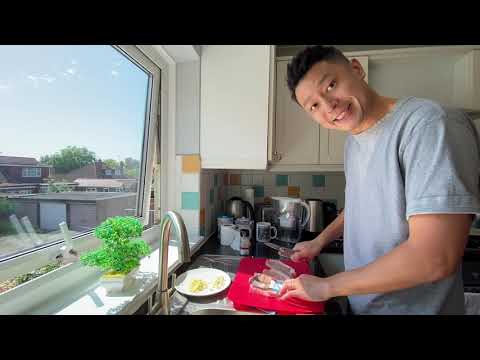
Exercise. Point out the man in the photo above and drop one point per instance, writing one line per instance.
(411, 170)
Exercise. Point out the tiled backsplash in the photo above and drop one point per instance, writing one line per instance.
(328, 186)
(202, 194)
(212, 200)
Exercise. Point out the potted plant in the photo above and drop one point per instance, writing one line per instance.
(120, 254)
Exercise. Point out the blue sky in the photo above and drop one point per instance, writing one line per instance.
(83, 95)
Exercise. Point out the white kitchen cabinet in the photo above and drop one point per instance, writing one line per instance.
(297, 136)
(298, 139)
(235, 105)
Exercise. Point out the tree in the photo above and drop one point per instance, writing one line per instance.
(132, 167)
(68, 159)
(111, 164)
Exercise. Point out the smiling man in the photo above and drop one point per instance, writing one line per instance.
(411, 169)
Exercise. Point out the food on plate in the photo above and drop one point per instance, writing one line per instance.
(218, 282)
(280, 266)
(197, 285)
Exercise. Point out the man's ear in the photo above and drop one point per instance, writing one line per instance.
(357, 68)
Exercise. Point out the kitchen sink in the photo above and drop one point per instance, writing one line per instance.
(224, 312)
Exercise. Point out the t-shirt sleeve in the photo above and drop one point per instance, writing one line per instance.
(441, 165)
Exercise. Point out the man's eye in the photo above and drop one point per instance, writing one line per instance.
(332, 85)
(313, 107)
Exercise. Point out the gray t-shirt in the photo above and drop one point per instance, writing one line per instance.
(419, 159)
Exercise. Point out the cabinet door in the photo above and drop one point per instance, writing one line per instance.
(235, 84)
(332, 142)
(296, 134)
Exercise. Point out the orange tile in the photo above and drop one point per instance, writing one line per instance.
(202, 216)
(294, 191)
(191, 163)
(235, 179)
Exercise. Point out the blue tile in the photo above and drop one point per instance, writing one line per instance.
(282, 180)
(318, 180)
(259, 191)
(211, 196)
(190, 201)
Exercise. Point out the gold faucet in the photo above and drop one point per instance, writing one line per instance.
(163, 293)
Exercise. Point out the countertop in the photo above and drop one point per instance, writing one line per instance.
(227, 259)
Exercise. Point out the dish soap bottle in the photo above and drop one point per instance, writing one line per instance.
(244, 244)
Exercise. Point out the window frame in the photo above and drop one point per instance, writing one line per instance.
(38, 172)
(34, 258)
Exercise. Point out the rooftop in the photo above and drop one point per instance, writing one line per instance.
(74, 196)
(111, 183)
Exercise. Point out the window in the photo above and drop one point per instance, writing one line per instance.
(84, 98)
(31, 172)
(108, 172)
(118, 172)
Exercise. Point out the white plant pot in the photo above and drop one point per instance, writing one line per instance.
(118, 282)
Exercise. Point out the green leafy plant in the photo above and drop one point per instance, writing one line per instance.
(122, 248)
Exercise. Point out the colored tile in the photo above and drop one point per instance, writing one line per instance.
(215, 180)
(235, 179)
(259, 191)
(190, 200)
(191, 163)
(202, 230)
(282, 180)
(246, 179)
(294, 191)
(211, 196)
(225, 179)
(318, 180)
(202, 216)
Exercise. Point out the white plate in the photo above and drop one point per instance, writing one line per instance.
(206, 274)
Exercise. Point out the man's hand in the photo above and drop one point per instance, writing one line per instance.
(306, 287)
(305, 251)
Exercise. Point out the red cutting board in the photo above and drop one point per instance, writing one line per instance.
(242, 298)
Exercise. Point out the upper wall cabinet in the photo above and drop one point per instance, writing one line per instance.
(235, 105)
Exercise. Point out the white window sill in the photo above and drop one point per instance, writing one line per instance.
(95, 301)
(87, 297)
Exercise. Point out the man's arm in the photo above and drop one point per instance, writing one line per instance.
(432, 252)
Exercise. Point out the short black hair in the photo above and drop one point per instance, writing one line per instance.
(306, 59)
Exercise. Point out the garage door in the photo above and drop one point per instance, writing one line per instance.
(52, 214)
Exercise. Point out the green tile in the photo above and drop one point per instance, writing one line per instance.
(211, 196)
(318, 180)
(259, 191)
(190, 200)
(215, 180)
(202, 230)
(282, 180)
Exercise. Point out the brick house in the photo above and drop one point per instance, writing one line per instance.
(23, 170)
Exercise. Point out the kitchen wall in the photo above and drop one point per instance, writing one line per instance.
(200, 195)
(326, 186)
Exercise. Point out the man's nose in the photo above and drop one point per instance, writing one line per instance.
(330, 105)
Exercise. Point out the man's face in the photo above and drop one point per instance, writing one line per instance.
(334, 94)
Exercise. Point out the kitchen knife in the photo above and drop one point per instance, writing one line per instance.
(286, 252)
